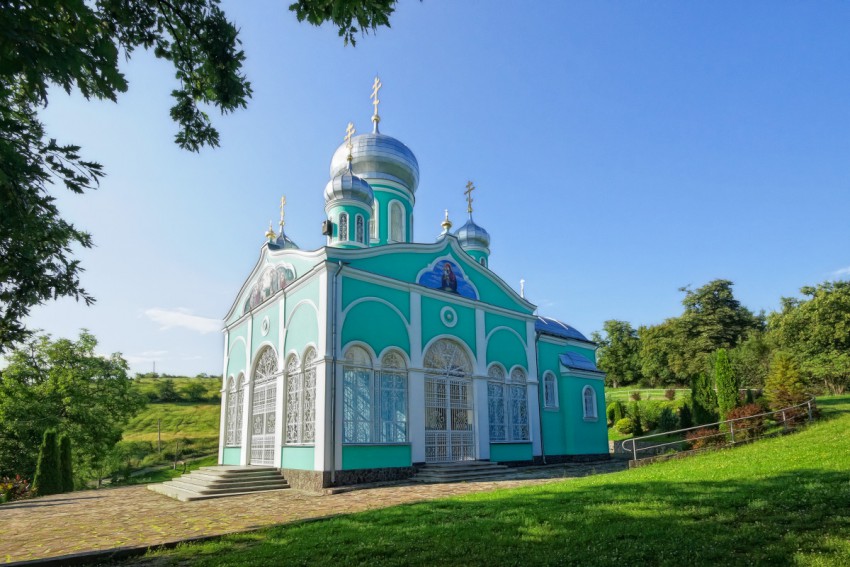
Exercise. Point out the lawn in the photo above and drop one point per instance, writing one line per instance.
(781, 501)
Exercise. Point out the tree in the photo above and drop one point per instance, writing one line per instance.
(817, 332)
(64, 385)
(703, 400)
(66, 465)
(618, 354)
(712, 319)
(660, 354)
(726, 382)
(195, 391)
(48, 476)
(785, 385)
(166, 392)
(78, 45)
(751, 359)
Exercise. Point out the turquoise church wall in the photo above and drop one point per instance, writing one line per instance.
(377, 325)
(238, 356)
(302, 325)
(493, 320)
(375, 456)
(231, 456)
(505, 347)
(584, 437)
(510, 452)
(554, 423)
(383, 197)
(257, 338)
(301, 458)
(433, 326)
(354, 289)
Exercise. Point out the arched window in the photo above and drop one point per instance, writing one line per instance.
(396, 222)
(507, 400)
(240, 403)
(293, 399)
(483, 261)
(308, 408)
(357, 396)
(343, 227)
(359, 233)
(230, 414)
(445, 357)
(550, 391)
(393, 400)
(373, 221)
(264, 408)
(588, 396)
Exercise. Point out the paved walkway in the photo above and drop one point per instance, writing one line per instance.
(134, 516)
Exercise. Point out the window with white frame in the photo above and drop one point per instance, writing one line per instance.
(373, 221)
(588, 396)
(374, 400)
(301, 399)
(550, 391)
(233, 415)
(359, 230)
(396, 222)
(343, 227)
(507, 401)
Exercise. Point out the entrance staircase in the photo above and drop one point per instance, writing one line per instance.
(461, 471)
(220, 481)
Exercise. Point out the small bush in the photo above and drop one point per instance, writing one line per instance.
(705, 437)
(685, 418)
(615, 412)
(625, 426)
(670, 394)
(16, 488)
(650, 413)
(667, 421)
(749, 427)
(636, 396)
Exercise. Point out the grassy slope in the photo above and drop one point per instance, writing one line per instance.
(195, 426)
(778, 502)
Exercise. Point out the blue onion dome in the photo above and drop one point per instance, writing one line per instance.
(471, 235)
(345, 185)
(378, 156)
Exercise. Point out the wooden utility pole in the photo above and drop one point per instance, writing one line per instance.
(159, 436)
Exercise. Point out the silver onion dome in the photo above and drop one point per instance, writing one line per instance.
(282, 242)
(472, 235)
(350, 187)
(378, 156)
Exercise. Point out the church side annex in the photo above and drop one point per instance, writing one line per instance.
(359, 361)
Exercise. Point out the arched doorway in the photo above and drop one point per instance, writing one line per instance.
(449, 434)
(263, 403)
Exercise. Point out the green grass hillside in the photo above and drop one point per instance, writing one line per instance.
(781, 501)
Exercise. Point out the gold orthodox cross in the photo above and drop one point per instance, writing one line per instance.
(349, 132)
(376, 86)
(469, 189)
(282, 205)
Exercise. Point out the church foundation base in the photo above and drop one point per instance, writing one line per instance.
(566, 459)
(362, 476)
(308, 481)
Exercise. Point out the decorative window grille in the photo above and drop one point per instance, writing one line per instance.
(373, 221)
(343, 227)
(507, 401)
(446, 358)
(360, 237)
(588, 395)
(230, 414)
(550, 391)
(240, 404)
(374, 402)
(263, 409)
(449, 434)
(301, 399)
(396, 222)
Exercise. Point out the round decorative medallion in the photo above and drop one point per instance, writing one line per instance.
(265, 326)
(448, 316)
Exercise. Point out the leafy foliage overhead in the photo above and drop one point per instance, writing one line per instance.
(344, 14)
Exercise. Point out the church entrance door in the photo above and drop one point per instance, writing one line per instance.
(449, 433)
(263, 405)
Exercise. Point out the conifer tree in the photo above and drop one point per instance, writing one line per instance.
(727, 383)
(685, 418)
(47, 475)
(66, 466)
(785, 385)
(703, 400)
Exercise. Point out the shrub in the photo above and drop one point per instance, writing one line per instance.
(703, 400)
(749, 427)
(670, 394)
(166, 391)
(636, 396)
(685, 418)
(634, 411)
(749, 397)
(195, 391)
(14, 488)
(728, 396)
(625, 426)
(785, 385)
(667, 421)
(66, 467)
(615, 412)
(705, 437)
(650, 414)
(48, 479)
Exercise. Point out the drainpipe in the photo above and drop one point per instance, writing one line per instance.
(333, 373)
(540, 406)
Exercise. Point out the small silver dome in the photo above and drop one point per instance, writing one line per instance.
(378, 156)
(472, 235)
(282, 242)
(345, 185)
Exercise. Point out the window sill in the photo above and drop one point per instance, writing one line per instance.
(552, 409)
(378, 444)
(299, 445)
(591, 419)
(525, 442)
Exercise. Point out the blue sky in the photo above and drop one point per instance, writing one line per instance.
(621, 150)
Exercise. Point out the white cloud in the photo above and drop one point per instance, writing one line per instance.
(842, 272)
(146, 356)
(183, 318)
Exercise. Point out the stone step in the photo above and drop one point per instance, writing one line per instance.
(188, 496)
(460, 471)
(231, 483)
(244, 487)
(205, 476)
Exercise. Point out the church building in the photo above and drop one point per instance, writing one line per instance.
(375, 354)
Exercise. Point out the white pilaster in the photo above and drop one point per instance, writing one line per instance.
(222, 432)
(281, 364)
(533, 389)
(323, 444)
(416, 383)
(247, 405)
(479, 388)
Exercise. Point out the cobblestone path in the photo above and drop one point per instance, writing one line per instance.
(134, 516)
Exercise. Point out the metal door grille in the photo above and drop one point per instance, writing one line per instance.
(262, 422)
(449, 435)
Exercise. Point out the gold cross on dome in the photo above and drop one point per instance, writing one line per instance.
(469, 189)
(376, 86)
(282, 205)
(349, 132)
